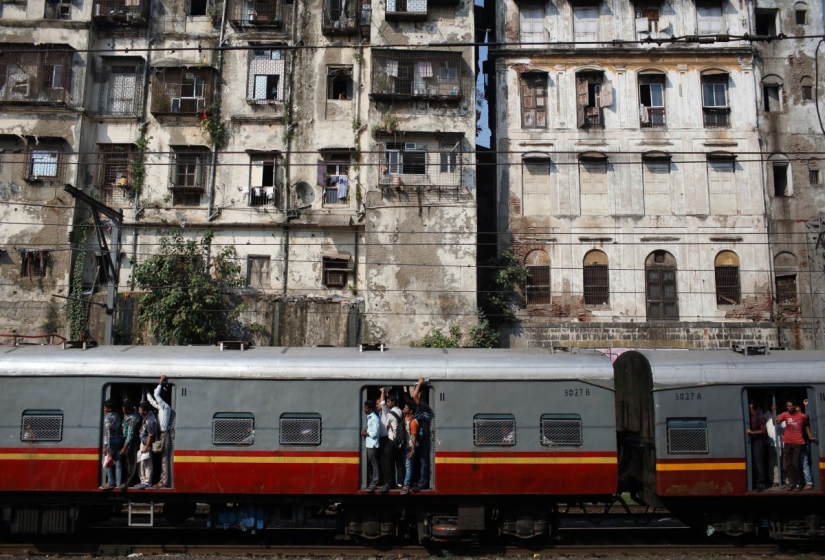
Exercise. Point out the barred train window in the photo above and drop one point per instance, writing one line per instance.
(301, 429)
(41, 426)
(233, 428)
(561, 430)
(496, 430)
(687, 436)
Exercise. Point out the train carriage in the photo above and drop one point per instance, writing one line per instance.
(277, 431)
(682, 418)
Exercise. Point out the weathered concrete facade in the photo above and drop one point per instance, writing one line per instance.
(631, 179)
(326, 142)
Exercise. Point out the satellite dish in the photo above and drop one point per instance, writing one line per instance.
(304, 192)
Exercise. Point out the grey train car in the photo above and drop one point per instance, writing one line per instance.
(682, 421)
(276, 432)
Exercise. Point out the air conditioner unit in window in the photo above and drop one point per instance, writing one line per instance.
(176, 104)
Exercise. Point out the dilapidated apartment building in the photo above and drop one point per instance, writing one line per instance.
(652, 166)
(327, 141)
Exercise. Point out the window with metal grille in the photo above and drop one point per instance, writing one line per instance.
(561, 430)
(121, 93)
(43, 164)
(41, 426)
(33, 263)
(786, 289)
(728, 291)
(662, 301)
(496, 430)
(813, 176)
(266, 68)
(339, 82)
(801, 16)
(537, 285)
(687, 436)
(596, 284)
(257, 272)
(300, 429)
(335, 272)
(715, 100)
(233, 428)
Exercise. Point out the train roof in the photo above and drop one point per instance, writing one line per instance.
(304, 363)
(695, 367)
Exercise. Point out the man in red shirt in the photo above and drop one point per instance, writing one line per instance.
(795, 423)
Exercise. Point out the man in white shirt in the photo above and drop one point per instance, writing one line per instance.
(166, 424)
(392, 466)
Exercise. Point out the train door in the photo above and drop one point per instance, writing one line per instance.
(764, 453)
(396, 466)
(135, 393)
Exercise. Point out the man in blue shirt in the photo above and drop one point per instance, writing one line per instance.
(371, 443)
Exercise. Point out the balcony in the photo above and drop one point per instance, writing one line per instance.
(411, 75)
(109, 13)
(113, 172)
(182, 91)
(58, 9)
(716, 118)
(420, 165)
(246, 15)
(340, 17)
(406, 10)
(652, 117)
(35, 76)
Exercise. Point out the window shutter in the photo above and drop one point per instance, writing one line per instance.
(606, 94)
(581, 92)
(199, 172)
(259, 87)
(322, 171)
(256, 175)
(57, 76)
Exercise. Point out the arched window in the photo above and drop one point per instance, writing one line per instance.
(534, 100)
(728, 289)
(801, 10)
(660, 287)
(784, 269)
(537, 284)
(772, 94)
(780, 175)
(651, 100)
(806, 88)
(596, 278)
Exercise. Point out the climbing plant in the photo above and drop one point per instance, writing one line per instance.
(187, 293)
(78, 309)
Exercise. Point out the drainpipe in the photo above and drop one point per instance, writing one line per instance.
(211, 212)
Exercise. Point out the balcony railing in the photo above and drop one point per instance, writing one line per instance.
(182, 91)
(114, 168)
(716, 118)
(267, 14)
(264, 196)
(398, 75)
(406, 10)
(410, 167)
(592, 118)
(121, 12)
(652, 117)
(35, 77)
(340, 17)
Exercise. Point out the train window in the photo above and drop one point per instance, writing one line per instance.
(687, 435)
(300, 429)
(233, 428)
(561, 430)
(494, 430)
(41, 425)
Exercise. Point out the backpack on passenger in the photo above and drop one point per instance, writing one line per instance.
(424, 419)
(400, 439)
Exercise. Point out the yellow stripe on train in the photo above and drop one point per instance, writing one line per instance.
(49, 457)
(525, 460)
(700, 466)
(268, 460)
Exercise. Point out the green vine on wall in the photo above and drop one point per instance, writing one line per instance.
(78, 309)
(138, 167)
(212, 124)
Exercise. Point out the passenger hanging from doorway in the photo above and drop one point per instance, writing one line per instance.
(805, 455)
(758, 432)
(794, 426)
(166, 421)
(411, 426)
(112, 443)
(371, 444)
(148, 436)
(392, 463)
(776, 443)
(131, 443)
(424, 417)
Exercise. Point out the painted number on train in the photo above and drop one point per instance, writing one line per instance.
(577, 392)
(688, 396)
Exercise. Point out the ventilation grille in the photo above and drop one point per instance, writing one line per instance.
(233, 429)
(41, 425)
(301, 429)
(561, 431)
(687, 436)
(494, 430)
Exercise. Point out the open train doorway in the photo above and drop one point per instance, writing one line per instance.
(785, 455)
(393, 457)
(125, 399)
